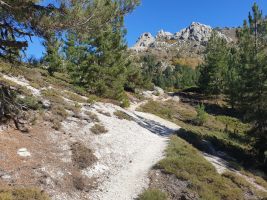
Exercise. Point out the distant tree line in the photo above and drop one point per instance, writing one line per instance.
(170, 77)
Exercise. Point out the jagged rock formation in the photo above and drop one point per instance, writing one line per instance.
(144, 41)
(195, 33)
(189, 43)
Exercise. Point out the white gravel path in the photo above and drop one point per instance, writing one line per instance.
(127, 153)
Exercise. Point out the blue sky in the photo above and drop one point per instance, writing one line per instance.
(173, 15)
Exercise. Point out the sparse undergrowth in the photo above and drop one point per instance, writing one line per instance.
(22, 194)
(98, 129)
(188, 164)
(92, 116)
(153, 194)
(82, 157)
(226, 133)
(123, 115)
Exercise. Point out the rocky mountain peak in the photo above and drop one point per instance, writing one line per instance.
(164, 35)
(196, 34)
(144, 41)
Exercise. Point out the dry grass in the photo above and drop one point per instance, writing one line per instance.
(82, 157)
(22, 194)
(93, 117)
(98, 129)
(153, 194)
(104, 113)
(74, 97)
(123, 115)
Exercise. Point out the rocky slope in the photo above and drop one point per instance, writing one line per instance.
(76, 159)
(187, 43)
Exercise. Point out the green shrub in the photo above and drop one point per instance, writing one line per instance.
(201, 117)
(29, 102)
(125, 103)
(153, 194)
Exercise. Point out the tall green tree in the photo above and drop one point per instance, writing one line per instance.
(20, 19)
(52, 58)
(213, 71)
(100, 62)
(253, 59)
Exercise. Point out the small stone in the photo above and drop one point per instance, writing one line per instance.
(176, 99)
(23, 152)
(46, 103)
(6, 177)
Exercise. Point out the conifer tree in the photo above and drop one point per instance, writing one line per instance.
(52, 58)
(212, 72)
(100, 63)
(253, 74)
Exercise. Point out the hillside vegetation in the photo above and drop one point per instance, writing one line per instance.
(68, 121)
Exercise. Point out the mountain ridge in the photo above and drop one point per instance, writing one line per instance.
(185, 47)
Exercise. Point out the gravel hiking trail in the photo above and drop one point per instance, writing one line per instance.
(129, 151)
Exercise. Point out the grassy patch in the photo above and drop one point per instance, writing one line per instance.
(259, 178)
(104, 113)
(98, 129)
(123, 115)
(244, 185)
(74, 97)
(29, 102)
(82, 157)
(92, 116)
(186, 163)
(22, 194)
(153, 194)
(214, 130)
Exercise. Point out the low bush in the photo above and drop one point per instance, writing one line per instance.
(201, 117)
(98, 129)
(123, 115)
(104, 113)
(153, 194)
(74, 97)
(92, 116)
(82, 157)
(29, 102)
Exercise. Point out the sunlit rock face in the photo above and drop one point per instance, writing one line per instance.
(196, 35)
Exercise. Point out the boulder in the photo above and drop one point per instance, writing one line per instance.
(158, 91)
(176, 99)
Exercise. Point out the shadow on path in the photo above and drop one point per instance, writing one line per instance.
(153, 126)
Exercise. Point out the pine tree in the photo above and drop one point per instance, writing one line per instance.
(52, 58)
(253, 74)
(233, 82)
(100, 63)
(212, 72)
(20, 19)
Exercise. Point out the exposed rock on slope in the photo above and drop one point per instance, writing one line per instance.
(187, 43)
(144, 41)
(195, 33)
(74, 163)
